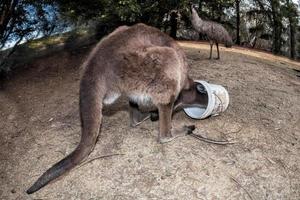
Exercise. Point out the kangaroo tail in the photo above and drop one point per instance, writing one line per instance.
(91, 96)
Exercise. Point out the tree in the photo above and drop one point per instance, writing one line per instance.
(277, 26)
(125, 12)
(237, 6)
(214, 9)
(173, 22)
(298, 42)
(24, 20)
(272, 10)
(8, 10)
(291, 14)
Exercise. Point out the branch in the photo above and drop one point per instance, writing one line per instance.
(13, 49)
(7, 15)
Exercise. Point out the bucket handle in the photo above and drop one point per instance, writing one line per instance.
(219, 106)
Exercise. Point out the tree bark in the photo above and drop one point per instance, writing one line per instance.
(292, 29)
(277, 27)
(200, 6)
(292, 41)
(237, 4)
(173, 22)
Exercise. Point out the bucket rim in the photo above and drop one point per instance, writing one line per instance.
(210, 104)
(211, 101)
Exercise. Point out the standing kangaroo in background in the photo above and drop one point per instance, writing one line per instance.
(215, 32)
(138, 61)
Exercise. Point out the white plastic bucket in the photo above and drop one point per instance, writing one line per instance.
(218, 100)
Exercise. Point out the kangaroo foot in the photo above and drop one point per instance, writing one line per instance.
(175, 133)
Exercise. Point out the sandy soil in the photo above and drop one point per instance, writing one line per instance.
(39, 125)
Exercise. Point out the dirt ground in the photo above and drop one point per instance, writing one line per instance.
(39, 125)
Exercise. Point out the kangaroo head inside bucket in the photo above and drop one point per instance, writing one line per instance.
(217, 101)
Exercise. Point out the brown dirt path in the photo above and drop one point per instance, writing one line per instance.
(39, 125)
(245, 51)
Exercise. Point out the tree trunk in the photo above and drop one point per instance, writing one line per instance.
(298, 42)
(237, 4)
(173, 22)
(200, 6)
(292, 40)
(200, 35)
(292, 26)
(277, 27)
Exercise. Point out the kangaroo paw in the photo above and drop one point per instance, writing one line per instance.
(175, 133)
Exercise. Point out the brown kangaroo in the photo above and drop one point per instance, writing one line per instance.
(138, 61)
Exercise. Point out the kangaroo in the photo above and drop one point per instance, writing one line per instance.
(140, 62)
